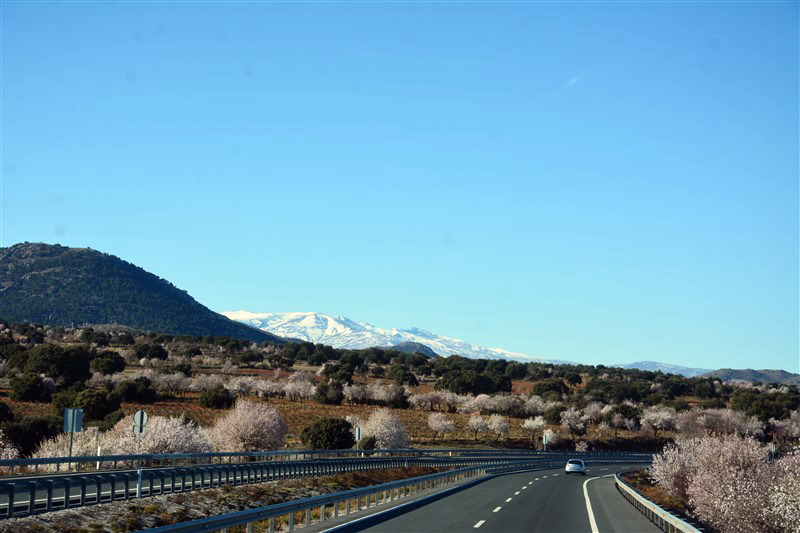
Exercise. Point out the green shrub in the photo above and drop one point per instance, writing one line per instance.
(217, 397)
(329, 393)
(139, 390)
(25, 433)
(328, 434)
(29, 388)
(5, 412)
(96, 404)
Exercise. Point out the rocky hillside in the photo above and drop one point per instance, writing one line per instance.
(60, 286)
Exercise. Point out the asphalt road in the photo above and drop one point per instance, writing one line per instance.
(541, 501)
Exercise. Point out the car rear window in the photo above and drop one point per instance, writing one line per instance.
(574, 462)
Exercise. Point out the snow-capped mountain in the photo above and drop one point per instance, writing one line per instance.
(341, 332)
(654, 366)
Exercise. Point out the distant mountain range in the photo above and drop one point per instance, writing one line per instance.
(724, 374)
(654, 366)
(764, 376)
(341, 332)
(60, 286)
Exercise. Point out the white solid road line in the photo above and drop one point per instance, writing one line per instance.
(479, 524)
(592, 522)
(496, 509)
(508, 499)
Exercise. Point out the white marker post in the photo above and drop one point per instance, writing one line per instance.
(139, 421)
(73, 418)
(544, 441)
(358, 437)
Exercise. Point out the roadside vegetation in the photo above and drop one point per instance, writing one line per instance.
(210, 393)
(729, 483)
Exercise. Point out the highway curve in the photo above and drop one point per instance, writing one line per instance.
(542, 501)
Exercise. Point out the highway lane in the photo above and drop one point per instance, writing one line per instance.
(541, 501)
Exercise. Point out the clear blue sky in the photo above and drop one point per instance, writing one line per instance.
(596, 182)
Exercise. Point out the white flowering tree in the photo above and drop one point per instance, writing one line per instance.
(163, 434)
(299, 390)
(355, 394)
(498, 426)
(726, 481)
(659, 418)
(242, 386)
(477, 424)
(388, 430)
(267, 388)
(533, 426)
(550, 435)
(573, 421)
(249, 427)
(440, 424)
(84, 443)
(535, 406)
(784, 493)
(7, 450)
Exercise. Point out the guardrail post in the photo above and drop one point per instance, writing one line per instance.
(11, 495)
(272, 524)
(49, 504)
(32, 500)
(347, 507)
(308, 517)
(322, 513)
(291, 521)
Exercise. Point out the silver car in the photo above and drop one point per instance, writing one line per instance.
(575, 466)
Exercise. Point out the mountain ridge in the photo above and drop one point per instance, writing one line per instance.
(61, 286)
(655, 366)
(343, 332)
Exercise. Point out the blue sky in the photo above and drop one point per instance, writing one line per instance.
(596, 182)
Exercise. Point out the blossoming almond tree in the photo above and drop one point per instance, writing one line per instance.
(440, 424)
(533, 426)
(478, 424)
(163, 434)
(499, 426)
(249, 427)
(387, 429)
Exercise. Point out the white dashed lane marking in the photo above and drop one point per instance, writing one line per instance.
(496, 509)
(508, 500)
(516, 493)
(479, 524)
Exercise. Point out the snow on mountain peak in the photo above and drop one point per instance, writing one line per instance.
(342, 332)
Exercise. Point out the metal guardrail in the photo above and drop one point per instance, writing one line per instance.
(662, 518)
(52, 493)
(341, 501)
(22, 497)
(345, 502)
(112, 462)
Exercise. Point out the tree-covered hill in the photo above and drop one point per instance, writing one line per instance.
(763, 376)
(60, 286)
